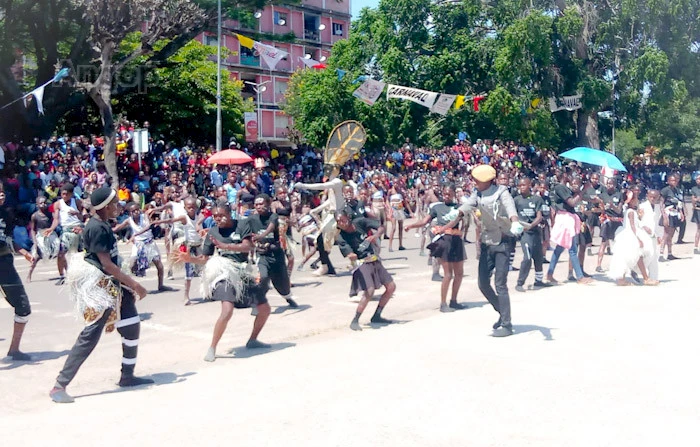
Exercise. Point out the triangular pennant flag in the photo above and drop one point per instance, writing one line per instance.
(341, 73)
(361, 78)
(246, 41)
(477, 99)
(270, 54)
(38, 94)
(62, 73)
(459, 102)
(310, 63)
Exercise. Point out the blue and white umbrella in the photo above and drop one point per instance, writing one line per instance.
(595, 157)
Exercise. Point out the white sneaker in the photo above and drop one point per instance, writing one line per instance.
(354, 299)
(321, 270)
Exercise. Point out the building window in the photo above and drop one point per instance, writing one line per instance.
(311, 23)
(280, 19)
(281, 121)
(211, 40)
(337, 29)
(249, 57)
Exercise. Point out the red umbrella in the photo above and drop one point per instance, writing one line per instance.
(320, 66)
(230, 157)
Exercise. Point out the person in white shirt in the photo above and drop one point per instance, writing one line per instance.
(650, 214)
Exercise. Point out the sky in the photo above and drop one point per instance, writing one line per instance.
(357, 5)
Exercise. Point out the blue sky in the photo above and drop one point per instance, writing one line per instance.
(357, 5)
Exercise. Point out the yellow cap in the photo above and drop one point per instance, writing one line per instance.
(484, 173)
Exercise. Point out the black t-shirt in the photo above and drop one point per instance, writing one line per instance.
(615, 198)
(560, 194)
(355, 209)
(695, 191)
(352, 242)
(443, 212)
(256, 224)
(671, 196)
(227, 236)
(589, 194)
(546, 203)
(98, 237)
(7, 228)
(528, 207)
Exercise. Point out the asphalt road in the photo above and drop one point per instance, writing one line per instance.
(589, 365)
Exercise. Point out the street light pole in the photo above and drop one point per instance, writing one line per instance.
(218, 80)
(258, 88)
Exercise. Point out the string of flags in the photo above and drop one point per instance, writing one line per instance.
(38, 93)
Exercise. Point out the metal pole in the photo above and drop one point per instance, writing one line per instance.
(257, 90)
(613, 117)
(218, 80)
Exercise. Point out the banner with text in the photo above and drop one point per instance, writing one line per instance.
(250, 119)
(370, 91)
(569, 103)
(422, 97)
(443, 104)
(270, 54)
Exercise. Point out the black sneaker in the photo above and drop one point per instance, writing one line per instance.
(599, 270)
(520, 288)
(671, 258)
(457, 306)
(545, 261)
(19, 356)
(128, 381)
(401, 248)
(497, 324)
(166, 289)
(292, 304)
(380, 320)
(571, 278)
(586, 275)
(61, 281)
(256, 344)
(538, 284)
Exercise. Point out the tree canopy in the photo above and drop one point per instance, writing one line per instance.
(638, 59)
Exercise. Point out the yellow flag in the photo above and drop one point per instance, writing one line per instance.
(459, 102)
(246, 41)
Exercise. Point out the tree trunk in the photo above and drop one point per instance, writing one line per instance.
(587, 129)
(101, 93)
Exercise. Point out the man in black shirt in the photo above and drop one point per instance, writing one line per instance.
(695, 197)
(10, 283)
(612, 201)
(672, 215)
(226, 278)
(529, 208)
(371, 275)
(101, 288)
(591, 195)
(272, 263)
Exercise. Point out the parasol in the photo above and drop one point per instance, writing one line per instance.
(230, 157)
(594, 157)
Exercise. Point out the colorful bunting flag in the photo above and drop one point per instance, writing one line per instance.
(459, 101)
(246, 41)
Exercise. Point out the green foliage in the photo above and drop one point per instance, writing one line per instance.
(180, 100)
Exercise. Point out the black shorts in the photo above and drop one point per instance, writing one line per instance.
(608, 229)
(585, 237)
(696, 216)
(673, 221)
(12, 288)
(224, 292)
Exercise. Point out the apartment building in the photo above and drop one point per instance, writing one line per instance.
(310, 28)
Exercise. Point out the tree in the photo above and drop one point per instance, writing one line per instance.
(182, 96)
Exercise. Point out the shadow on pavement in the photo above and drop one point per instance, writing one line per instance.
(37, 358)
(145, 316)
(381, 326)
(241, 352)
(523, 328)
(310, 283)
(160, 379)
(289, 311)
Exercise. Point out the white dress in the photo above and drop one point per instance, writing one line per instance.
(627, 249)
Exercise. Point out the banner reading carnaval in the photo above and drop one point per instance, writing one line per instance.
(422, 97)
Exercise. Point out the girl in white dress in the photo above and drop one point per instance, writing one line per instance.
(632, 245)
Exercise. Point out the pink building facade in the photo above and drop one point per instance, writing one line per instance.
(316, 24)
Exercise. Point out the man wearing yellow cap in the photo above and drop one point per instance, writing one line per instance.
(499, 227)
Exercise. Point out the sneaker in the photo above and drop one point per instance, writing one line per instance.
(437, 277)
(589, 252)
(321, 270)
(354, 299)
(380, 320)
(292, 304)
(444, 308)
(662, 259)
(391, 250)
(166, 289)
(545, 261)
(355, 326)
(497, 324)
(586, 275)
(256, 344)
(300, 268)
(60, 396)
(430, 260)
(254, 311)
(671, 258)
(19, 356)
(696, 251)
(416, 234)
(401, 248)
(503, 331)
(599, 269)
(129, 381)
(422, 253)
(520, 288)
(211, 355)
(609, 252)
(457, 306)
(513, 269)
(314, 265)
(386, 238)
(538, 284)
(571, 278)
(61, 281)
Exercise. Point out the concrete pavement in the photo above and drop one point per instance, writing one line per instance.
(589, 365)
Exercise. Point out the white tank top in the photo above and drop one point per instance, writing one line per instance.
(191, 234)
(65, 218)
(143, 223)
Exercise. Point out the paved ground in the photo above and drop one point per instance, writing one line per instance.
(589, 365)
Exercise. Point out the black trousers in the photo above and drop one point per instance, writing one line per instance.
(323, 254)
(12, 288)
(494, 259)
(681, 231)
(129, 327)
(531, 243)
(273, 267)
